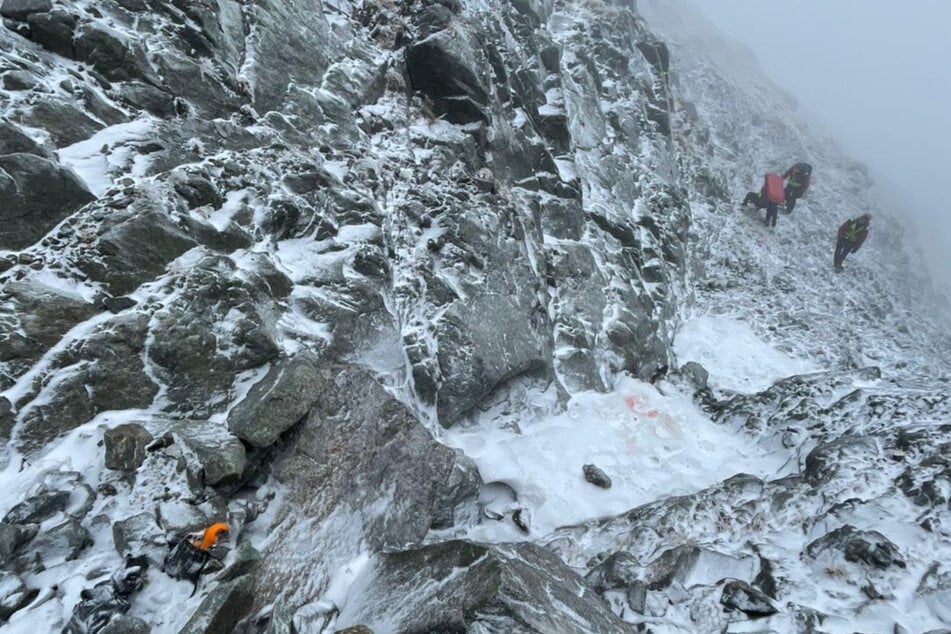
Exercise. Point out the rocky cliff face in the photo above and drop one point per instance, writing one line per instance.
(259, 261)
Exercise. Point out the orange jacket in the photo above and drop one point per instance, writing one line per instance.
(210, 537)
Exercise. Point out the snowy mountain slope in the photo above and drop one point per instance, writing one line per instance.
(864, 318)
(365, 278)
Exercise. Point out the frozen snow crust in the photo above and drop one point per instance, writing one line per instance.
(397, 288)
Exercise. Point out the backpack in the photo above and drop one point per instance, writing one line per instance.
(773, 188)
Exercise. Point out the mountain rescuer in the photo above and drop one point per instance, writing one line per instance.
(188, 557)
(797, 182)
(769, 197)
(852, 234)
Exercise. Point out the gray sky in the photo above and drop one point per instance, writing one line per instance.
(877, 75)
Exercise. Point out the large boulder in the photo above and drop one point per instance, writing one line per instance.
(153, 100)
(278, 401)
(224, 606)
(219, 454)
(54, 30)
(870, 548)
(62, 542)
(620, 572)
(838, 457)
(38, 315)
(457, 504)
(35, 195)
(125, 446)
(136, 246)
(8, 542)
(21, 9)
(64, 121)
(7, 418)
(193, 355)
(218, 325)
(742, 597)
(112, 53)
(693, 565)
(38, 508)
(125, 624)
(485, 341)
(139, 533)
(934, 590)
(14, 141)
(362, 458)
(460, 586)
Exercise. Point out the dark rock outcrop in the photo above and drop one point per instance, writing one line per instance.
(125, 446)
(112, 54)
(116, 305)
(64, 120)
(37, 194)
(509, 587)
(21, 9)
(278, 402)
(135, 246)
(866, 547)
(357, 452)
(596, 476)
(741, 596)
(54, 30)
(826, 460)
(224, 606)
(110, 375)
(445, 69)
(14, 141)
(37, 508)
(38, 315)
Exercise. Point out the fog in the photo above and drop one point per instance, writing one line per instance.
(876, 74)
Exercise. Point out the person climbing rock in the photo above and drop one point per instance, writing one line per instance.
(100, 604)
(768, 198)
(852, 234)
(189, 557)
(797, 178)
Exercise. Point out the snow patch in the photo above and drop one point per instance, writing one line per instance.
(734, 356)
(108, 154)
(650, 444)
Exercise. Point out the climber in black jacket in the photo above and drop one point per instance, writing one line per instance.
(851, 236)
(798, 178)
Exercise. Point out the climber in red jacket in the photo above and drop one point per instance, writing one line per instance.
(852, 234)
(797, 178)
(769, 197)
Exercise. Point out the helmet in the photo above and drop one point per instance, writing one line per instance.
(865, 218)
(804, 168)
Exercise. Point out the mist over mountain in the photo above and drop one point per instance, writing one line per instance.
(876, 79)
